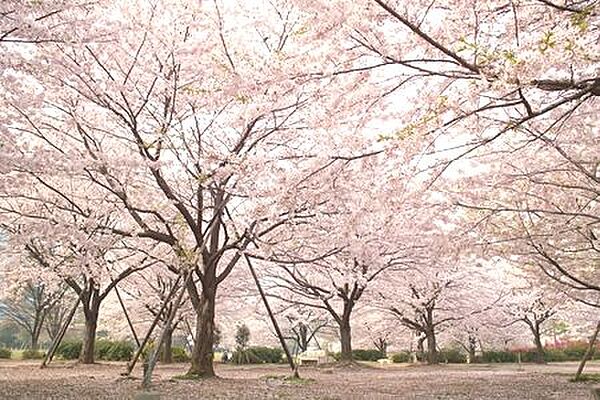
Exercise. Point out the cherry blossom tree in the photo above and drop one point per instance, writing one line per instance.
(534, 305)
(29, 308)
(303, 326)
(182, 121)
(486, 69)
(149, 299)
(369, 225)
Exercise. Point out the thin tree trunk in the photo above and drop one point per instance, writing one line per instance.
(303, 337)
(588, 353)
(421, 348)
(472, 348)
(35, 337)
(381, 345)
(202, 353)
(166, 356)
(35, 341)
(37, 329)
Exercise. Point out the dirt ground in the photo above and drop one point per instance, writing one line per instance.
(24, 380)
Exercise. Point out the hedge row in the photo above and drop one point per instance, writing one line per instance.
(572, 352)
(258, 355)
(179, 355)
(25, 355)
(104, 350)
(113, 351)
(362, 355)
(5, 353)
(32, 355)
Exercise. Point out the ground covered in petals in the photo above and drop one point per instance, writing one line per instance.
(24, 380)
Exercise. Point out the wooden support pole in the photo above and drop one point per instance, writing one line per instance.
(588, 353)
(136, 356)
(147, 380)
(60, 336)
(290, 359)
(135, 336)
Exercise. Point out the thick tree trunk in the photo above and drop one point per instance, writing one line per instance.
(202, 353)
(539, 348)
(91, 309)
(346, 340)
(89, 338)
(432, 353)
(166, 355)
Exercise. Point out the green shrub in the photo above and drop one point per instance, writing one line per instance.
(265, 355)
(113, 351)
(179, 354)
(69, 349)
(367, 355)
(452, 356)
(402, 357)
(5, 353)
(240, 357)
(102, 348)
(498, 357)
(528, 356)
(574, 352)
(32, 355)
(258, 355)
(120, 351)
(557, 355)
(147, 350)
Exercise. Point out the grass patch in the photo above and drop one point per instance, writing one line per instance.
(587, 378)
(299, 381)
(289, 379)
(273, 376)
(190, 377)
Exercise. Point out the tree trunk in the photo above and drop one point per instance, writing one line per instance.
(89, 338)
(202, 353)
(432, 353)
(166, 356)
(35, 341)
(420, 355)
(472, 348)
(37, 329)
(35, 335)
(381, 345)
(539, 348)
(472, 356)
(91, 308)
(303, 337)
(346, 340)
